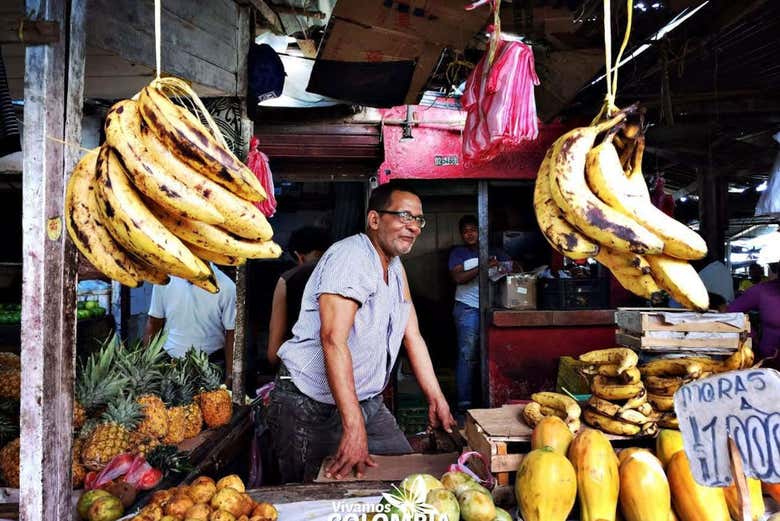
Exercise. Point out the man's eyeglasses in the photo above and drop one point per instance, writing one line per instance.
(407, 217)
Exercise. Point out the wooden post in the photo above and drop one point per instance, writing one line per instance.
(713, 215)
(484, 287)
(740, 481)
(54, 76)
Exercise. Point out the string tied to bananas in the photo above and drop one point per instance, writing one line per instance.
(609, 108)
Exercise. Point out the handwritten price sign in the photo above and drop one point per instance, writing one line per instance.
(742, 404)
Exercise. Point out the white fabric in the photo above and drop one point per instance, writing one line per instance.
(732, 319)
(717, 279)
(193, 316)
(769, 202)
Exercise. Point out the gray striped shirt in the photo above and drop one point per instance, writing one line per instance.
(350, 268)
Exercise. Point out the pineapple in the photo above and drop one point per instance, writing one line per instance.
(215, 402)
(9, 463)
(10, 361)
(175, 433)
(143, 444)
(169, 460)
(177, 392)
(112, 436)
(98, 383)
(10, 383)
(193, 420)
(77, 470)
(142, 366)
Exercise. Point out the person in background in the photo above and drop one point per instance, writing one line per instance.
(464, 270)
(307, 245)
(755, 276)
(193, 317)
(765, 299)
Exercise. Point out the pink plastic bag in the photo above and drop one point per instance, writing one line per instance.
(460, 466)
(258, 163)
(500, 103)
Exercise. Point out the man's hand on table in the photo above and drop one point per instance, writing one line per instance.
(439, 414)
(351, 454)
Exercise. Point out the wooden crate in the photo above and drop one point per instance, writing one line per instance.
(644, 329)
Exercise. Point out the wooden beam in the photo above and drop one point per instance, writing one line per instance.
(30, 32)
(267, 12)
(54, 77)
(713, 214)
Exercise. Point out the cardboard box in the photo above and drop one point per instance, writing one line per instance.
(517, 291)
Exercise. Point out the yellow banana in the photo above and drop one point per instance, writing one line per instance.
(608, 181)
(629, 376)
(558, 401)
(123, 128)
(623, 262)
(645, 409)
(609, 425)
(582, 208)
(672, 367)
(649, 429)
(661, 403)
(134, 227)
(214, 239)
(668, 420)
(623, 357)
(90, 235)
(240, 216)
(549, 411)
(209, 283)
(561, 235)
(664, 386)
(604, 407)
(634, 416)
(216, 258)
(680, 280)
(180, 130)
(637, 402)
(609, 390)
(532, 414)
(641, 285)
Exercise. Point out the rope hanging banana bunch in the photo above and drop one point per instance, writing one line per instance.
(164, 195)
(591, 200)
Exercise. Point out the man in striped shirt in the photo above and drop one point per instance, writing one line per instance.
(355, 312)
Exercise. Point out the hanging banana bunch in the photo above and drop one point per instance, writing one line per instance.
(591, 200)
(164, 195)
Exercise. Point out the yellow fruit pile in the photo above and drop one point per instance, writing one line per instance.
(225, 500)
(165, 195)
(635, 483)
(547, 404)
(662, 377)
(619, 403)
(591, 200)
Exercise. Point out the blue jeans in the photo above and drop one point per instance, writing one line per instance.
(467, 366)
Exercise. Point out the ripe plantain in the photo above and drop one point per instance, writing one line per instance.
(609, 390)
(665, 385)
(608, 181)
(604, 407)
(644, 286)
(181, 130)
(623, 263)
(582, 208)
(672, 367)
(561, 235)
(133, 225)
(637, 402)
(668, 420)
(549, 411)
(216, 258)
(680, 280)
(241, 217)
(629, 376)
(90, 235)
(532, 414)
(215, 239)
(634, 416)
(123, 129)
(661, 403)
(609, 425)
(624, 357)
(560, 402)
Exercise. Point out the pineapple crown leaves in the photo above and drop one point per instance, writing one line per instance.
(99, 382)
(142, 365)
(178, 387)
(208, 376)
(123, 411)
(169, 460)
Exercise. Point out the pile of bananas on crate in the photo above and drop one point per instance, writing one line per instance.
(591, 200)
(619, 403)
(164, 195)
(545, 404)
(635, 401)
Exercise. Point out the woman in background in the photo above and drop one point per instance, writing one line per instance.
(765, 299)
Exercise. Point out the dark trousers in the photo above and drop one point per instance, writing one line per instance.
(304, 431)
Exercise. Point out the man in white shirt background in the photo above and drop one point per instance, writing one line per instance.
(193, 317)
